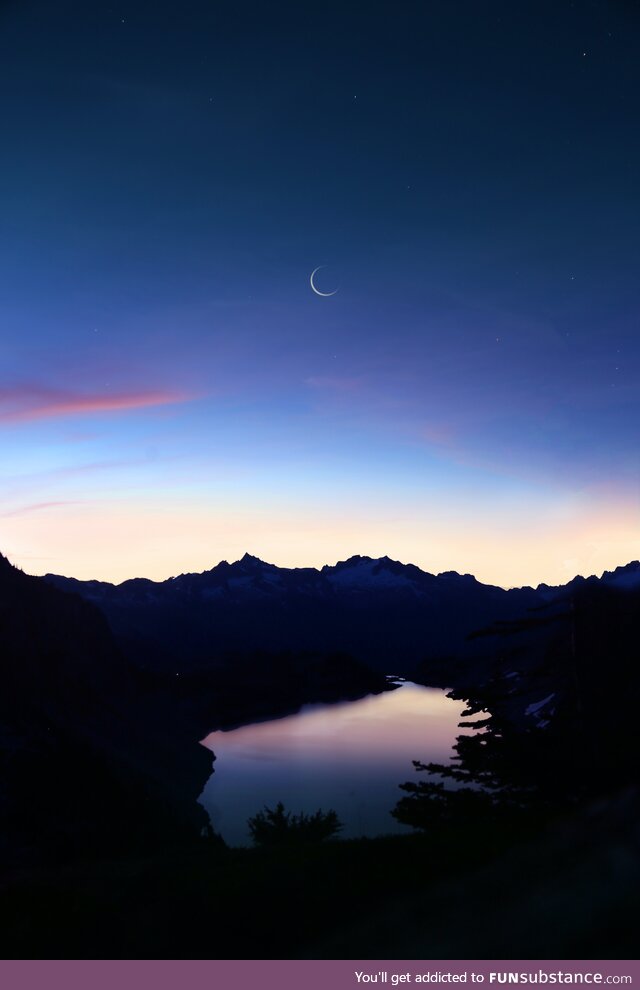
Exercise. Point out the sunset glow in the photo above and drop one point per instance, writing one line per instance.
(174, 393)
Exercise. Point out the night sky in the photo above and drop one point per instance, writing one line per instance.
(172, 391)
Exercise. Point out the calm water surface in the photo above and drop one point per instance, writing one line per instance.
(348, 756)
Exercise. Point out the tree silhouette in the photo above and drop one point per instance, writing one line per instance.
(582, 657)
(275, 826)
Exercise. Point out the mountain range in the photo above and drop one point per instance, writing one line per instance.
(98, 736)
(388, 615)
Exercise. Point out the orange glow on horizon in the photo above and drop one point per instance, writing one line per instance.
(114, 541)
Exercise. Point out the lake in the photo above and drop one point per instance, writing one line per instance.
(349, 756)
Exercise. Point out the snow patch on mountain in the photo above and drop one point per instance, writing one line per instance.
(366, 572)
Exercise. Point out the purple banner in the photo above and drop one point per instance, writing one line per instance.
(309, 974)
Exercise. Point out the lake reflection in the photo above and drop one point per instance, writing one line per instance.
(349, 756)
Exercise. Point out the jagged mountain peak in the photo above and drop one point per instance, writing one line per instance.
(372, 574)
(363, 561)
(355, 560)
(249, 564)
(632, 567)
(625, 576)
(457, 576)
(248, 558)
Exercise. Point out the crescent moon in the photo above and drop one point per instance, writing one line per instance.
(317, 291)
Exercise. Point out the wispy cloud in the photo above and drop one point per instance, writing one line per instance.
(36, 507)
(22, 403)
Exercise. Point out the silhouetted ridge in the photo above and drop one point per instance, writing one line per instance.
(455, 576)
(248, 558)
(386, 614)
(83, 761)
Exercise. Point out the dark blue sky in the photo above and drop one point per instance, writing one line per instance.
(173, 392)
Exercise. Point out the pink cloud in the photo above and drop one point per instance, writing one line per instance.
(22, 403)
